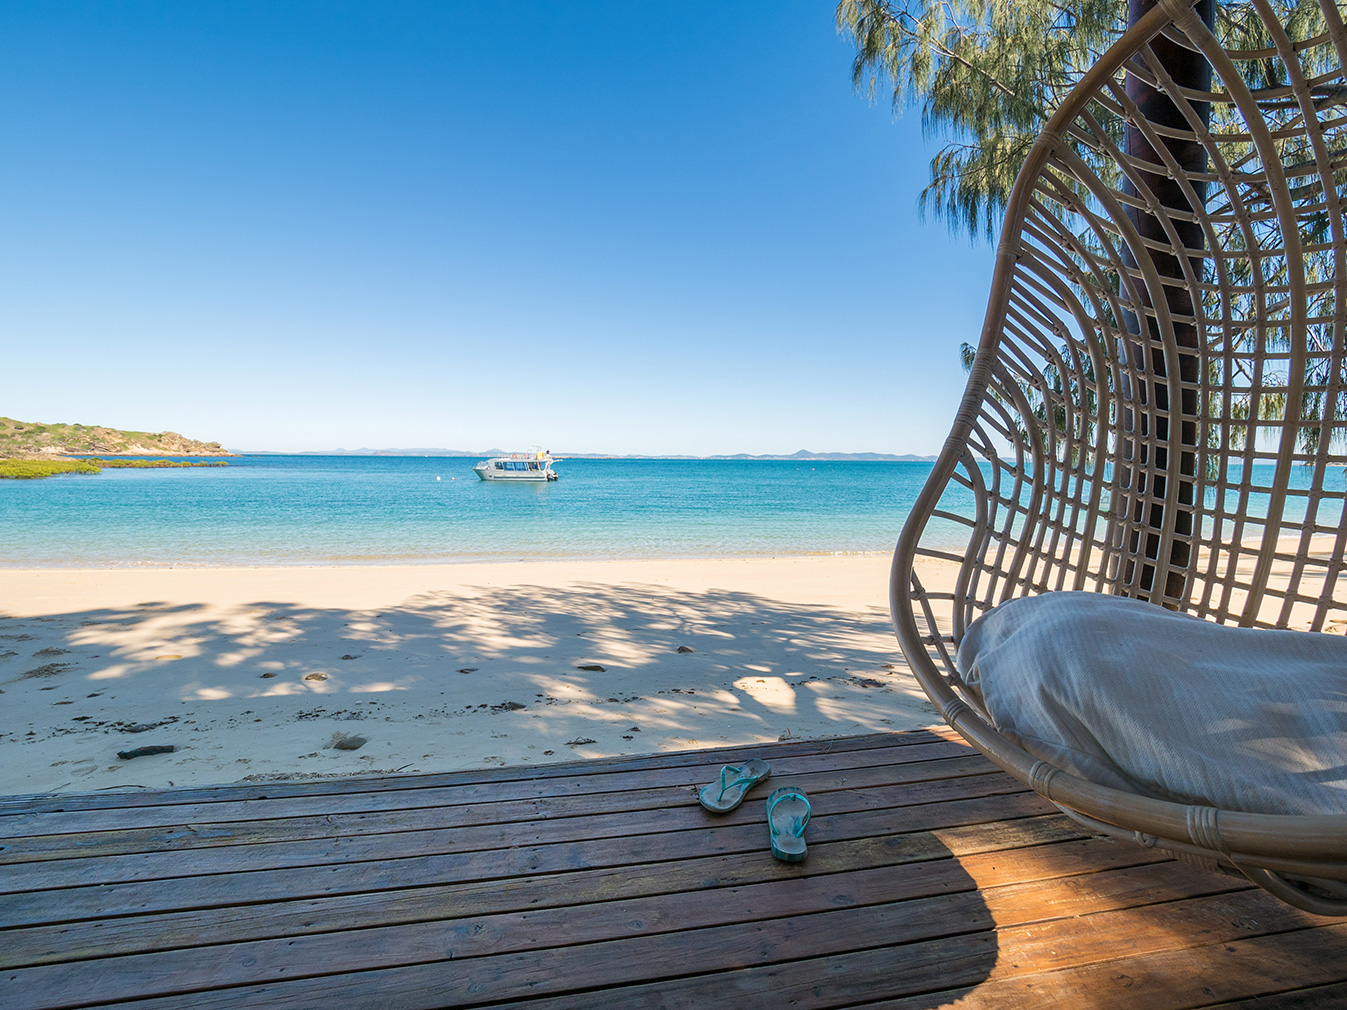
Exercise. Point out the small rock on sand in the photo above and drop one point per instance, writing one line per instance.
(349, 656)
(579, 741)
(267, 675)
(347, 741)
(468, 669)
(591, 668)
(315, 676)
(686, 648)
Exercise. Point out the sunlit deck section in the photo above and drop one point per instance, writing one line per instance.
(932, 880)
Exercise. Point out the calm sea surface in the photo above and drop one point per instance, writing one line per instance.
(305, 510)
(310, 510)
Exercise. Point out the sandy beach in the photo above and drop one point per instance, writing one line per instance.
(261, 673)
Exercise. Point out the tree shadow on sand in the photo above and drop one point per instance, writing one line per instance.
(255, 691)
(491, 675)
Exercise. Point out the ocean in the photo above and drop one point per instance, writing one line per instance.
(323, 510)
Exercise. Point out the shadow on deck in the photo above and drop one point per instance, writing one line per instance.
(932, 880)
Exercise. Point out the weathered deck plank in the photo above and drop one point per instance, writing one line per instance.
(1204, 976)
(145, 829)
(932, 878)
(223, 919)
(1320, 997)
(824, 747)
(398, 839)
(655, 895)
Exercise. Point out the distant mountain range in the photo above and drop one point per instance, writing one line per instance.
(24, 438)
(801, 455)
(805, 454)
(376, 452)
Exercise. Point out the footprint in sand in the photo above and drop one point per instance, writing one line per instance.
(48, 670)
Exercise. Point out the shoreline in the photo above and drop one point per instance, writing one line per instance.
(265, 673)
(151, 566)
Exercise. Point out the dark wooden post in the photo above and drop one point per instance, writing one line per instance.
(1175, 456)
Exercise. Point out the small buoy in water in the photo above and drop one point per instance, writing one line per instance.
(437, 478)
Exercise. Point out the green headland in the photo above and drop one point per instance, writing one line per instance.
(33, 449)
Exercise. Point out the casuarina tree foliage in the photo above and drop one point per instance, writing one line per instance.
(987, 74)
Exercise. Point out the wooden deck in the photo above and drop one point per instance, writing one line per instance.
(932, 880)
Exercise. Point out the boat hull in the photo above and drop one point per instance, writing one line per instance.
(515, 476)
(539, 477)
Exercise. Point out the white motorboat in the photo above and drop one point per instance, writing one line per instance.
(535, 465)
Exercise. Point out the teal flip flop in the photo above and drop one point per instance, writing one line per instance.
(787, 816)
(735, 782)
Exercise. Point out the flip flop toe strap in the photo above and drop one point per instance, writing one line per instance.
(797, 828)
(741, 780)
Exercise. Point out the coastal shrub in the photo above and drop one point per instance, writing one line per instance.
(154, 464)
(28, 469)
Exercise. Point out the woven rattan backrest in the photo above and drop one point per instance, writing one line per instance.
(1104, 451)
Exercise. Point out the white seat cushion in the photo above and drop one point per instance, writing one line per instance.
(1127, 694)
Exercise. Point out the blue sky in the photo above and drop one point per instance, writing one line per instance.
(602, 226)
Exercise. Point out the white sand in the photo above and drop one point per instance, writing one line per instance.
(254, 673)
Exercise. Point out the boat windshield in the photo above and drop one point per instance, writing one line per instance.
(538, 465)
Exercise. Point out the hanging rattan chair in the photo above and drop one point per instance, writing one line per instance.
(1157, 408)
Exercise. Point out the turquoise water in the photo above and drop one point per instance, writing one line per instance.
(311, 510)
(306, 510)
